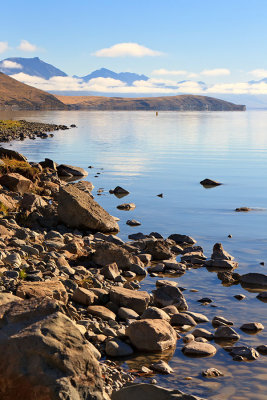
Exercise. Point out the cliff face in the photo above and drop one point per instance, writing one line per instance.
(164, 103)
(15, 95)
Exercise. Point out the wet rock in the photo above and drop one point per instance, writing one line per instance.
(151, 335)
(169, 295)
(54, 361)
(221, 264)
(135, 300)
(229, 278)
(137, 270)
(84, 296)
(247, 353)
(101, 312)
(145, 391)
(239, 297)
(75, 171)
(160, 267)
(16, 183)
(165, 282)
(180, 239)
(52, 289)
(220, 321)
(181, 319)
(78, 210)
(205, 300)
(155, 313)
(209, 183)
(220, 254)
(126, 206)
(211, 373)
(203, 333)
(252, 327)
(243, 209)
(133, 222)
(198, 349)
(199, 318)
(117, 348)
(262, 349)
(108, 253)
(262, 296)
(254, 279)
(162, 367)
(226, 333)
(137, 236)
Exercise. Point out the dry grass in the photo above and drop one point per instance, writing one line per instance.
(20, 167)
(9, 124)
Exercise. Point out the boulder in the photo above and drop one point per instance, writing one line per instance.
(181, 319)
(252, 327)
(202, 333)
(254, 279)
(220, 321)
(135, 300)
(52, 289)
(244, 352)
(84, 296)
(101, 312)
(133, 222)
(162, 367)
(31, 202)
(78, 210)
(180, 239)
(155, 313)
(151, 335)
(12, 154)
(220, 254)
(110, 271)
(75, 171)
(169, 295)
(127, 313)
(147, 391)
(199, 349)
(199, 318)
(117, 348)
(44, 356)
(226, 333)
(108, 253)
(16, 183)
(221, 264)
(209, 183)
(8, 298)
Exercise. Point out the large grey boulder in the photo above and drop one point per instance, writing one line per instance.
(62, 169)
(77, 209)
(146, 391)
(43, 355)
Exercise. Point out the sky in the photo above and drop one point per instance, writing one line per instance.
(220, 43)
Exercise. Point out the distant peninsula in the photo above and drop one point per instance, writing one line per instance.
(15, 95)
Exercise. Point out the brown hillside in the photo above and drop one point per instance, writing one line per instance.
(166, 103)
(15, 95)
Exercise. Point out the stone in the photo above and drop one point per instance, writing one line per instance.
(117, 348)
(52, 289)
(12, 154)
(239, 297)
(120, 191)
(16, 183)
(126, 206)
(247, 353)
(180, 239)
(127, 313)
(75, 171)
(169, 295)
(155, 313)
(254, 279)
(204, 333)
(198, 349)
(138, 270)
(137, 236)
(101, 312)
(252, 327)
(165, 282)
(208, 183)
(211, 373)
(133, 222)
(188, 338)
(262, 349)
(199, 318)
(181, 319)
(151, 335)
(243, 209)
(84, 296)
(13, 259)
(160, 267)
(158, 249)
(110, 271)
(170, 310)
(8, 298)
(262, 296)
(220, 254)
(226, 333)
(31, 202)
(77, 209)
(135, 300)
(54, 361)
(221, 264)
(220, 321)
(162, 367)
(147, 391)
(108, 253)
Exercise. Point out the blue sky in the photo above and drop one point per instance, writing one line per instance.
(191, 35)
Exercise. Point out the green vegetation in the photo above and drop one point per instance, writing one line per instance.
(22, 274)
(9, 124)
(3, 209)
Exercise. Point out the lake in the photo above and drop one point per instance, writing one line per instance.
(170, 154)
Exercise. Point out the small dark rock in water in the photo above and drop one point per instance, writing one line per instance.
(262, 296)
(209, 183)
(243, 209)
(230, 236)
(243, 353)
(126, 206)
(254, 279)
(205, 300)
(90, 166)
(262, 263)
(73, 126)
(212, 373)
(133, 222)
(120, 190)
(252, 327)
(239, 296)
(160, 195)
(137, 236)
(262, 349)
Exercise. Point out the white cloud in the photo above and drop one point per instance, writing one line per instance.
(163, 71)
(259, 73)
(126, 50)
(10, 64)
(216, 72)
(27, 46)
(3, 46)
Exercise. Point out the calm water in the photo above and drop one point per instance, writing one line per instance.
(170, 154)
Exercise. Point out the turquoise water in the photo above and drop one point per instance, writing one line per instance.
(171, 154)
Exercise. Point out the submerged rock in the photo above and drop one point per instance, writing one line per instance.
(209, 183)
(254, 279)
(211, 373)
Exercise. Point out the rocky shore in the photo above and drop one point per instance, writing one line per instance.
(70, 298)
(14, 130)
